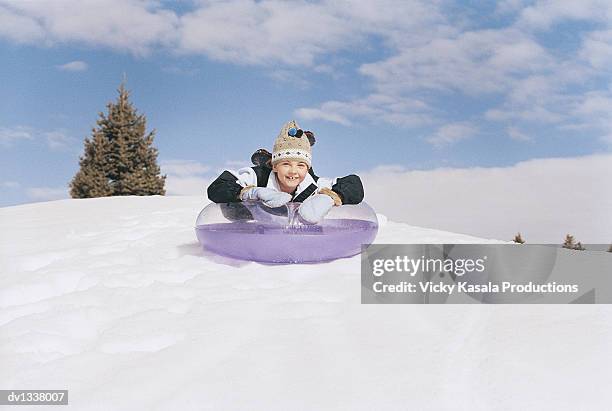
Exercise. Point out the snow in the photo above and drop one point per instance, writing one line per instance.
(114, 300)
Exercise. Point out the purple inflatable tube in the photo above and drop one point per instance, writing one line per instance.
(251, 231)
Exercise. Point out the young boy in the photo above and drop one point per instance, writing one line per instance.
(286, 175)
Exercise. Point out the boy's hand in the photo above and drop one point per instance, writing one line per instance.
(268, 196)
(315, 208)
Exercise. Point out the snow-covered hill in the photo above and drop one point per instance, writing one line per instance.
(114, 300)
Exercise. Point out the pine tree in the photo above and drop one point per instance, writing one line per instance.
(518, 239)
(92, 178)
(120, 158)
(569, 242)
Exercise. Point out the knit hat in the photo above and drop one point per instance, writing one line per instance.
(293, 143)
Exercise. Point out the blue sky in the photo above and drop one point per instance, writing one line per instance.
(417, 85)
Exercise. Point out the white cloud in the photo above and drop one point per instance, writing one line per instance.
(535, 114)
(131, 25)
(597, 49)
(544, 199)
(10, 135)
(429, 52)
(504, 62)
(234, 165)
(246, 32)
(473, 62)
(18, 27)
(186, 185)
(296, 33)
(399, 111)
(295, 79)
(595, 103)
(10, 184)
(510, 6)
(594, 113)
(324, 68)
(183, 167)
(264, 32)
(516, 134)
(56, 139)
(185, 177)
(531, 89)
(47, 193)
(606, 139)
(451, 133)
(323, 113)
(544, 13)
(534, 84)
(180, 70)
(74, 66)
(188, 177)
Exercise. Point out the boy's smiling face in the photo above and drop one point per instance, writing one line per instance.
(289, 174)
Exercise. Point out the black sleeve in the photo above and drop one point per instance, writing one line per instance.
(349, 189)
(224, 189)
